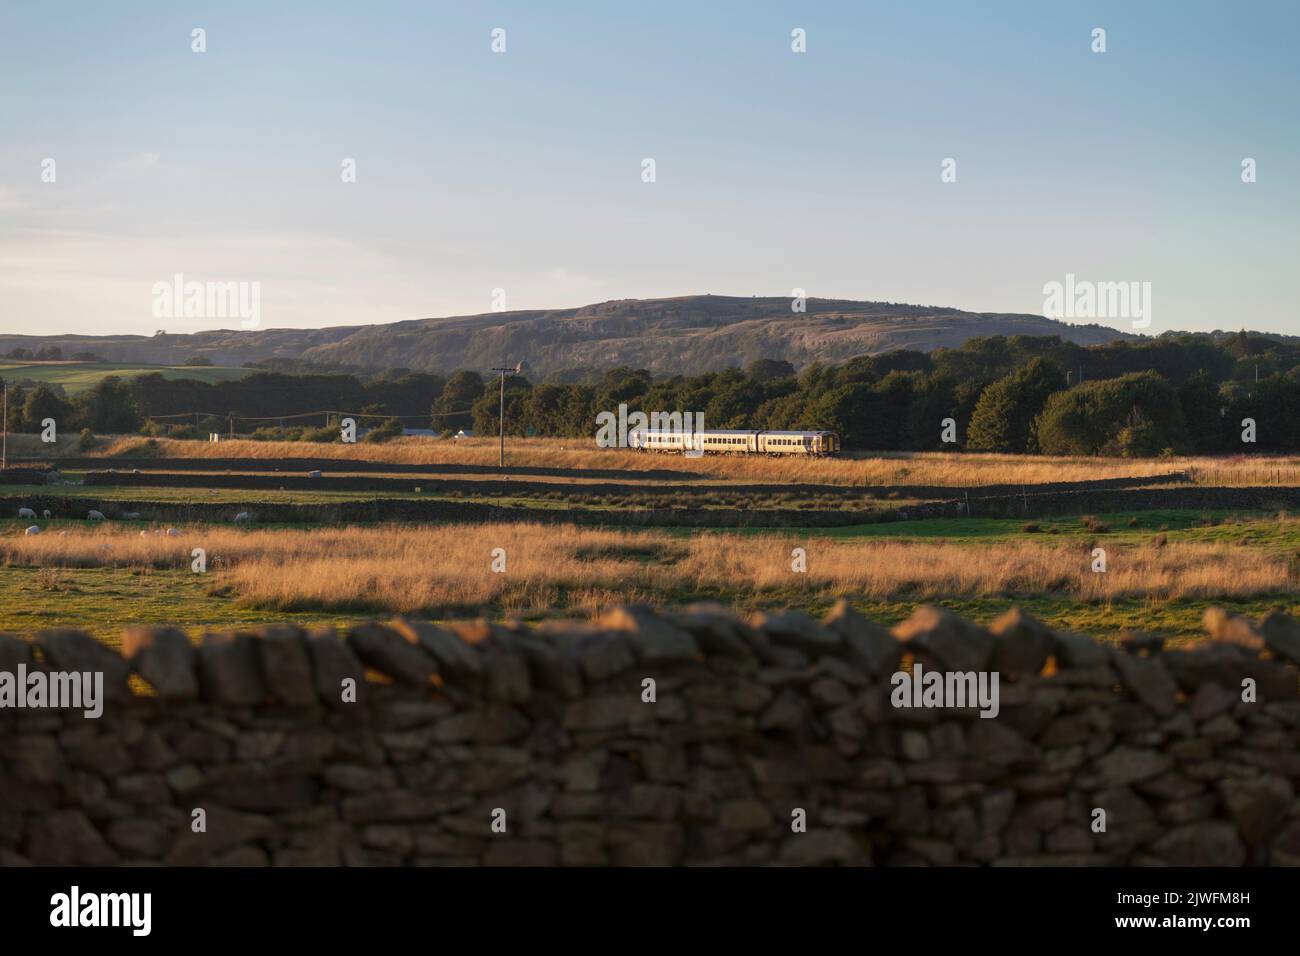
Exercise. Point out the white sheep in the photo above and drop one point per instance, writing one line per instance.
(48, 516)
(313, 474)
(26, 513)
(173, 533)
(34, 529)
(93, 515)
(243, 517)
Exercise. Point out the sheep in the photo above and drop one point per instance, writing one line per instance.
(34, 529)
(26, 513)
(93, 515)
(173, 533)
(48, 516)
(313, 474)
(243, 517)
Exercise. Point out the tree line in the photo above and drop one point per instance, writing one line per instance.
(1171, 395)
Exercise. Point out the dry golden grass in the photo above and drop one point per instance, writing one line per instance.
(548, 567)
(956, 469)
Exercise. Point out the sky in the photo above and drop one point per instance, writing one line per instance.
(522, 171)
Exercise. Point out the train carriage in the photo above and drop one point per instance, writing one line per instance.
(736, 442)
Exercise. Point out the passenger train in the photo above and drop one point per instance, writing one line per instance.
(728, 442)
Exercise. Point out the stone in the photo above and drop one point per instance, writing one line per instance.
(66, 838)
(954, 643)
(509, 679)
(788, 712)
(1127, 765)
(992, 742)
(225, 830)
(230, 671)
(332, 662)
(603, 655)
(1023, 644)
(66, 649)
(654, 640)
(393, 655)
(1218, 663)
(1282, 635)
(140, 838)
(14, 651)
(744, 815)
(820, 847)
(1257, 804)
(515, 852)
(456, 657)
(1078, 651)
(551, 670)
(798, 630)
(1232, 629)
(870, 646)
(1207, 843)
(1210, 700)
(1149, 682)
(165, 658)
(286, 666)
(716, 630)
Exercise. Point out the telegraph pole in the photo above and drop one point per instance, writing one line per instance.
(4, 442)
(501, 416)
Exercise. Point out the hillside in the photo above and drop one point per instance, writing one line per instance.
(76, 377)
(686, 335)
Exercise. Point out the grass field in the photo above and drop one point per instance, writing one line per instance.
(78, 376)
(1164, 567)
(103, 576)
(955, 469)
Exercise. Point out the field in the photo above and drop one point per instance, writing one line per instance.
(78, 376)
(895, 468)
(411, 527)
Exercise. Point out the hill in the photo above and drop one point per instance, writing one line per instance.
(684, 335)
(78, 376)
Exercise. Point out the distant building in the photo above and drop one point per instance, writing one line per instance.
(464, 434)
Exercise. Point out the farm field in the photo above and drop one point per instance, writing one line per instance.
(77, 377)
(954, 469)
(582, 529)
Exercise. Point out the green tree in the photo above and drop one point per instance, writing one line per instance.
(1135, 414)
(1003, 419)
(109, 407)
(44, 402)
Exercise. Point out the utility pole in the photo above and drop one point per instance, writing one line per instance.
(501, 416)
(4, 442)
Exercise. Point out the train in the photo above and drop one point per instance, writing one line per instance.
(735, 442)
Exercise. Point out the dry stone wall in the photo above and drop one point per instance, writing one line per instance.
(646, 737)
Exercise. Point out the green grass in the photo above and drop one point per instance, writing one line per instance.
(79, 376)
(1255, 528)
(105, 601)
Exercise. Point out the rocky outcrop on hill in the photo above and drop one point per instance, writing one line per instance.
(667, 737)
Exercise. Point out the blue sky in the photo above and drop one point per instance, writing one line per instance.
(522, 171)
